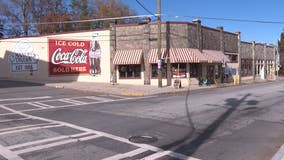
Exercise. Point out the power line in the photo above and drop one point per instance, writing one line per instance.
(87, 20)
(143, 6)
(154, 15)
(227, 19)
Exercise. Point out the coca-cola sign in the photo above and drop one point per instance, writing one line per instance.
(68, 57)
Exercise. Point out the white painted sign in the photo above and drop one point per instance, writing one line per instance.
(23, 57)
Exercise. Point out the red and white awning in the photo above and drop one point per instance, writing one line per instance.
(153, 55)
(123, 57)
(215, 56)
(186, 55)
(178, 55)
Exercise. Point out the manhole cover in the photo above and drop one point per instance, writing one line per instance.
(143, 139)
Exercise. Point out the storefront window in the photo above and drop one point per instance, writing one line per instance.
(193, 70)
(155, 70)
(129, 71)
(246, 67)
(179, 70)
(210, 73)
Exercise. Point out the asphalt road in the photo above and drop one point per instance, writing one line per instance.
(38, 122)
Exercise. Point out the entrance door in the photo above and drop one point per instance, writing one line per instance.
(210, 73)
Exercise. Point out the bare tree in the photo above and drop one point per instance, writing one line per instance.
(50, 16)
(81, 10)
(30, 17)
(18, 15)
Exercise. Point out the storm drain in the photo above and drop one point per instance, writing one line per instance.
(143, 139)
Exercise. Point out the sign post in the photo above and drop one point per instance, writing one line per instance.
(277, 71)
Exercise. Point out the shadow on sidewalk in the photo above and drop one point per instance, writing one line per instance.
(25, 71)
(11, 84)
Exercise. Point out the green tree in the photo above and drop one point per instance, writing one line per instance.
(281, 49)
(281, 42)
(1, 30)
(98, 9)
(110, 9)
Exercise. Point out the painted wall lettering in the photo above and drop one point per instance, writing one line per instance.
(23, 58)
(68, 57)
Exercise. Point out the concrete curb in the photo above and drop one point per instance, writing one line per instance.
(141, 94)
(132, 94)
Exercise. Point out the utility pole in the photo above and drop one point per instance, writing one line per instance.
(159, 44)
(265, 62)
(253, 60)
(239, 59)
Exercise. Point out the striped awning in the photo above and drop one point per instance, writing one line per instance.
(128, 57)
(215, 56)
(153, 55)
(178, 55)
(189, 55)
(186, 55)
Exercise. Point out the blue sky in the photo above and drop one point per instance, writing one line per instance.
(257, 10)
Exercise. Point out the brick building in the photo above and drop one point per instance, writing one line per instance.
(128, 54)
(195, 50)
(258, 60)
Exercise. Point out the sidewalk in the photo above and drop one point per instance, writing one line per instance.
(136, 90)
(124, 89)
(133, 90)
